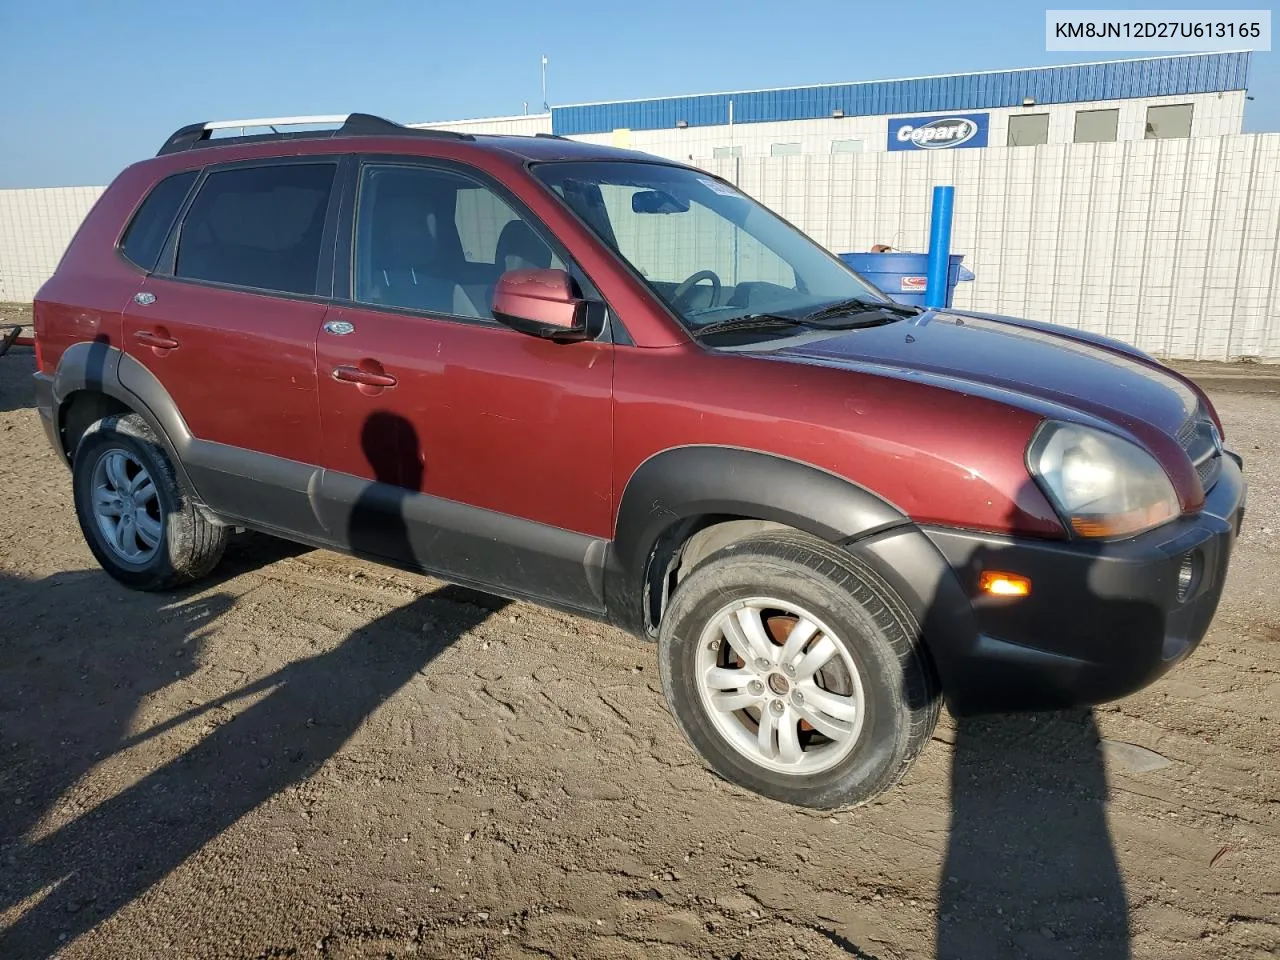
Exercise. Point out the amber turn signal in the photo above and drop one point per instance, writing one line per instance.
(1122, 524)
(1003, 584)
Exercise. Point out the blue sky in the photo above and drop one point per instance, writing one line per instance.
(89, 87)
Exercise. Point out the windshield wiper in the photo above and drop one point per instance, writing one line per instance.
(752, 321)
(877, 312)
(861, 305)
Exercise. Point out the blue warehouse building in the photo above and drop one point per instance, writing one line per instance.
(1193, 95)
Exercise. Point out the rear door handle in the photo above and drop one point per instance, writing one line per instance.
(157, 340)
(366, 378)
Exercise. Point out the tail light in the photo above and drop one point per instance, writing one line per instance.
(36, 329)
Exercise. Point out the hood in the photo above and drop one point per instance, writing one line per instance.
(997, 356)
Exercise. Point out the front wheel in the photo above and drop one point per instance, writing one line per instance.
(796, 672)
(133, 512)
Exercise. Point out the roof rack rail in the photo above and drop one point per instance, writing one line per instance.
(196, 135)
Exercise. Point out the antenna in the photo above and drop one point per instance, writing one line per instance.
(545, 105)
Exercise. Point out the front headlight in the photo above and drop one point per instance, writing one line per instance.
(1103, 486)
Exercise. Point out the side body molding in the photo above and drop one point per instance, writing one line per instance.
(676, 485)
(502, 554)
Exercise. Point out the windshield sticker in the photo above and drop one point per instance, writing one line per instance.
(715, 186)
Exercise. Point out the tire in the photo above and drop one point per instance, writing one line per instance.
(186, 546)
(886, 696)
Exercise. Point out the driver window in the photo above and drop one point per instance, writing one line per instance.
(668, 248)
(434, 241)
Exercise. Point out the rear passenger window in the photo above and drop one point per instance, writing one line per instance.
(145, 235)
(258, 227)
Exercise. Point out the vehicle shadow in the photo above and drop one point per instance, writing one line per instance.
(60, 883)
(80, 654)
(250, 551)
(17, 388)
(1030, 869)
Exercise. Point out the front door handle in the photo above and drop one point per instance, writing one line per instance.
(366, 378)
(157, 340)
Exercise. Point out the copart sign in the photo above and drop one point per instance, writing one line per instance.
(945, 132)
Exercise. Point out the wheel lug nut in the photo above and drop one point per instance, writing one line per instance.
(763, 664)
(777, 707)
(797, 697)
(789, 670)
(755, 687)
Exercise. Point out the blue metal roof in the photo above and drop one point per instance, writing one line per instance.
(1154, 77)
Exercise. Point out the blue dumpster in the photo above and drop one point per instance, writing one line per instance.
(904, 276)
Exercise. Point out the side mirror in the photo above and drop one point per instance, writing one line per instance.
(540, 303)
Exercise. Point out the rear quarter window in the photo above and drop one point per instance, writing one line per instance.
(144, 237)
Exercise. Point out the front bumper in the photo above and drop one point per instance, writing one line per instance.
(1102, 620)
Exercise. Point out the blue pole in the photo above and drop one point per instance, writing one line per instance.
(935, 294)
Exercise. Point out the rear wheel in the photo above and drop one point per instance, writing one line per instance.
(797, 672)
(135, 516)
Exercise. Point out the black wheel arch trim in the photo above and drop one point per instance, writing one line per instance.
(98, 367)
(916, 570)
(682, 484)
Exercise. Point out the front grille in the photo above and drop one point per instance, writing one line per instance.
(1188, 432)
(1199, 438)
(1208, 471)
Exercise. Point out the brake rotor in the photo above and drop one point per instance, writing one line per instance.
(780, 626)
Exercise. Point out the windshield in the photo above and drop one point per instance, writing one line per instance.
(709, 251)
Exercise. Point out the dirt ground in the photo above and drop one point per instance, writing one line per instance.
(311, 756)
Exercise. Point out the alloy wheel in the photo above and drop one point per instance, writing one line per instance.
(126, 506)
(780, 686)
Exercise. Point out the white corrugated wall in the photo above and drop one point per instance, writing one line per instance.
(35, 228)
(1172, 245)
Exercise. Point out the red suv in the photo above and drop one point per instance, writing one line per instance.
(615, 385)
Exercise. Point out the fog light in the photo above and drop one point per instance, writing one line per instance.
(1000, 584)
(1186, 577)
